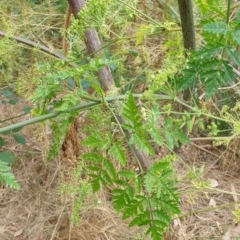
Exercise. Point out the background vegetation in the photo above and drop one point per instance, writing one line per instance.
(127, 141)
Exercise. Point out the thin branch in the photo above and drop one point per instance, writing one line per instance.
(223, 138)
(11, 118)
(204, 150)
(144, 15)
(48, 50)
(79, 108)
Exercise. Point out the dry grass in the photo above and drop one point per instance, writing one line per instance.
(207, 213)
(37, 211)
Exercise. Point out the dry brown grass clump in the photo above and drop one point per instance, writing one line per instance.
(207, 213)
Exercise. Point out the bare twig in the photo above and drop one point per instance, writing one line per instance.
(30, 43)
(204, 150)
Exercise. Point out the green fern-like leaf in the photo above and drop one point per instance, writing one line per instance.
(155, 232)
(131, 114)
(159, 183)
(110, 168)
(150, 179)
(120, 199)
(188, 80)
(152, 124)
(96, 185)
(216, 28)
(97, 140)
(141, 219)
(233, 54)
(173, 134)
(118, 153)
(128, 174)
(6, 177)
(236, 35)
(208, 7)
(152, 207)
(161, 216)
(92, 157)
(141, 141)
(106, 178)
(209, 67)
(139, 135)
(94, 140)
(100, 169)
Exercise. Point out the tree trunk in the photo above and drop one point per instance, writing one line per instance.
(187, 21)
(93, 45)
(186, 15)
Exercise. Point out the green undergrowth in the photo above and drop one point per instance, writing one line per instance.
(145, 111)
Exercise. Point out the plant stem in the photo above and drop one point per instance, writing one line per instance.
(97, 102)
(48, 116)
(80, 107)
(207, 209)
(228, 11)
(212, 138)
